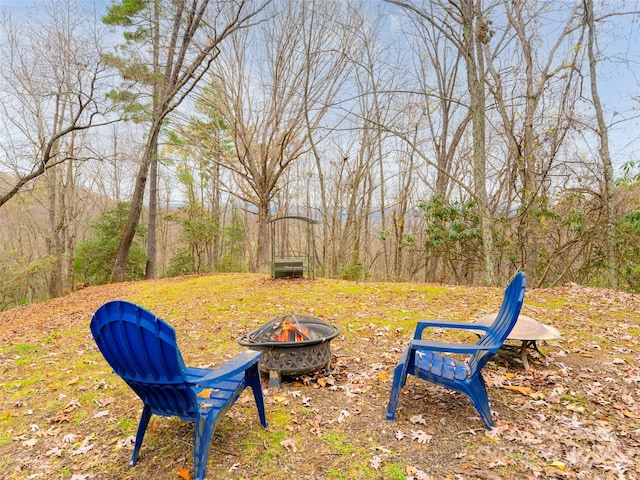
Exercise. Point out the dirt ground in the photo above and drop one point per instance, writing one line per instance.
(574, 414)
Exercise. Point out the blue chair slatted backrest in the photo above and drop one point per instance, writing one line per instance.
(433, 361)
(142, 349)
(502, 325)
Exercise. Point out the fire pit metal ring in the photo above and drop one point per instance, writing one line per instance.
(288, 356)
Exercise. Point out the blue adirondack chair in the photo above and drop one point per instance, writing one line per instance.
(142, 349)
(425, 359)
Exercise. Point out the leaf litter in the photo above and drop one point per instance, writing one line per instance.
(574, 414)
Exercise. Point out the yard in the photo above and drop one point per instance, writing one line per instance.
(574, 414)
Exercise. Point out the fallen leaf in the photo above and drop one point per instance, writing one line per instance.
(30, 443)
(375, 462)
(63, 416)
(574, 407)
(184, 473)
(84, 447)
(289, 445)
(521, 390)
(420, 436)
(629, 414)
(69, 438)
(54, 452)
(128, 442)
(205, 393)
(418, 419)
(60, 418)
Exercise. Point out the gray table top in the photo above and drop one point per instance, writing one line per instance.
(526, 328)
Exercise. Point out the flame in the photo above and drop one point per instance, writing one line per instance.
(291, 331)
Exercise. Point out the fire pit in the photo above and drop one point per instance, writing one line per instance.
(291, 345)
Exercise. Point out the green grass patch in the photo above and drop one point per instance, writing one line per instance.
(394, 471)
(51, 365)
(339, 442)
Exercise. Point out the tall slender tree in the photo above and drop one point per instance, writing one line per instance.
(272, 96)
(184, 37)
(535, 102)
(53, 86)
(53, 80)
(605, 155)
(463, 23)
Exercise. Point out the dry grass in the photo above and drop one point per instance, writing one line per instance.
(65, 415)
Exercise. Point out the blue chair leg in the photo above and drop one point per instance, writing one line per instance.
(204, 428)
(142, 428)
(399, 379)
(254, 381)
(477, 392)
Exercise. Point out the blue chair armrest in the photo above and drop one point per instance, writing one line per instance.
(449, 347)
(423, 324)
(239, 364)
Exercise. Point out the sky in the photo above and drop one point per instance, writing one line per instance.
(619, 81)
(16, 5)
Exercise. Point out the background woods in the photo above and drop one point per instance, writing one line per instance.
(433, 141)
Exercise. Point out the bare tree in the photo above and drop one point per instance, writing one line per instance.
(438, 117)
(52, 88)
(605, 155)
(535, 102)
(331, 21)
(463, 23)
(271, 97)
(197, 148)
(194, 33)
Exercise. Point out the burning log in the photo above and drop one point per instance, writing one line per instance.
(292, 345)
(290, 330)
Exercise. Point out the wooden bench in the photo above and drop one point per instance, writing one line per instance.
(526, 330)
(291, 268)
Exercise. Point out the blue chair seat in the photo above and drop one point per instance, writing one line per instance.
(441, 365)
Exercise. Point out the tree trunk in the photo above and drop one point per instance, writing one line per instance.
(183, 65)
(605, 156)
(150, 271)
(263, 239)
(135, 209)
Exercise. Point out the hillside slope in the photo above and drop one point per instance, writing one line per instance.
(576, 413)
